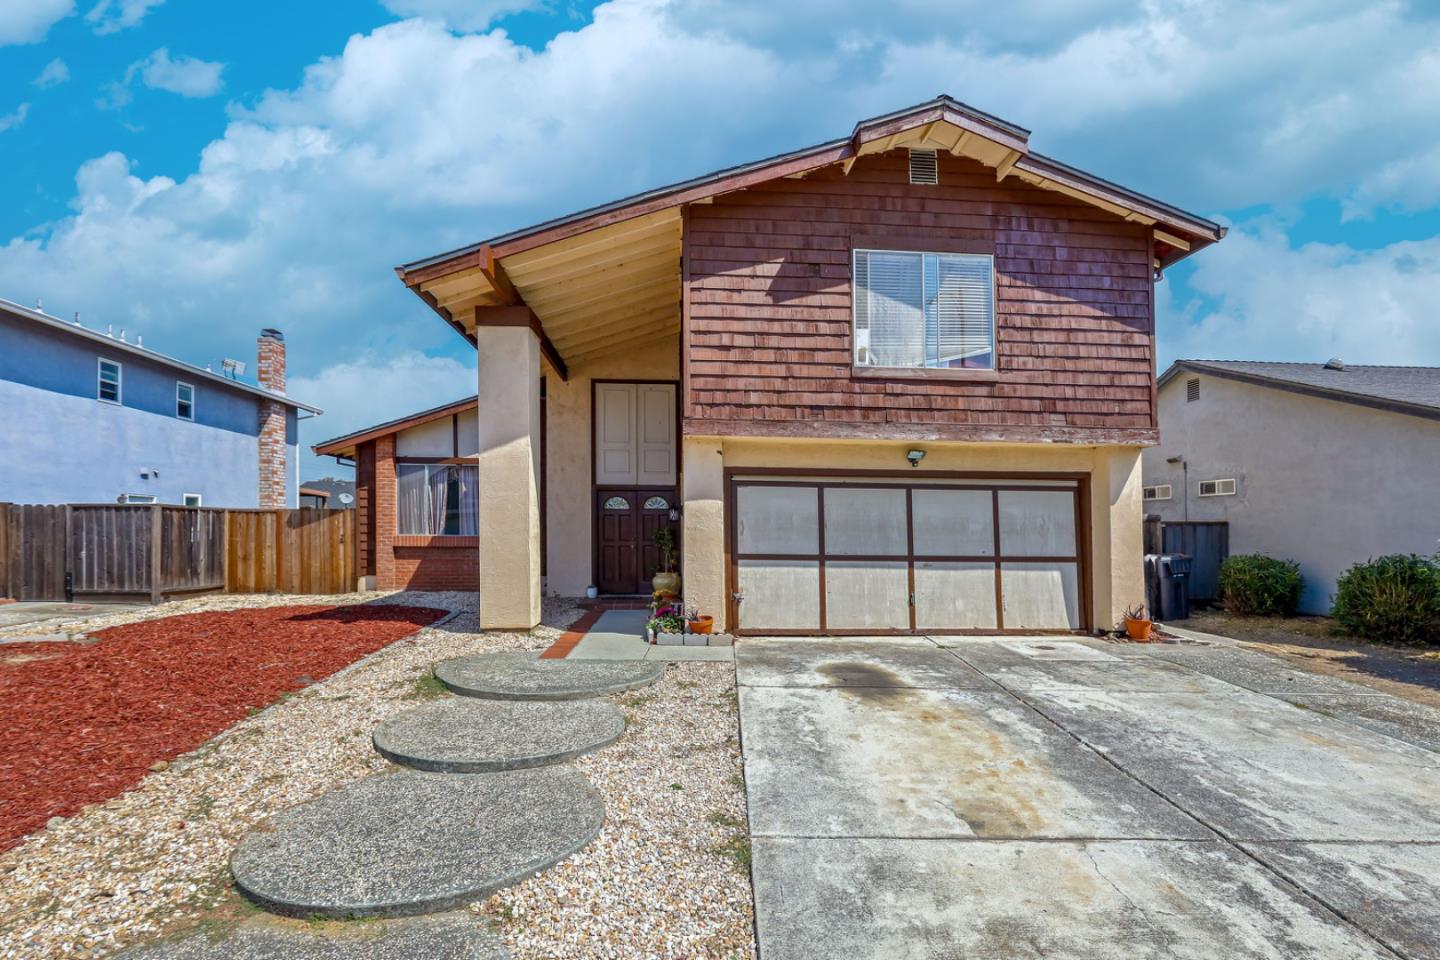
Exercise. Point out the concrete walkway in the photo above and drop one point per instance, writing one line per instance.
(55, 619)
(1080, 799)
(620, 635)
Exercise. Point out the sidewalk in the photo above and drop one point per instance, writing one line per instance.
(620, 635)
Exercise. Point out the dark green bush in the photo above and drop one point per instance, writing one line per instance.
(1256, 585)
(1395, 599)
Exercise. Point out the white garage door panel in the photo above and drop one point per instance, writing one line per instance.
(959, 523)
(1040, 596)
(865, 521)
(866, 595)
(779, 594)
(1037, 523)
(777, 520)
(954, 595)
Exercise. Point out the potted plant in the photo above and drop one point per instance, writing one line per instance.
(665, 617)
(666, 579)
(700, 624)
(1137, 625)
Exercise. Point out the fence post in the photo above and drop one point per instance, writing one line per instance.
(5, 552)
(157, 537)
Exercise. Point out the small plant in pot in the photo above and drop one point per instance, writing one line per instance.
(666, 617)
(666, 580)
(1137, 624)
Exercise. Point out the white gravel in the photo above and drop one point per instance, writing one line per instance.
(663, 880)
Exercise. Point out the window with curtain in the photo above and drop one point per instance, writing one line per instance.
(924, 309)
(437, 499)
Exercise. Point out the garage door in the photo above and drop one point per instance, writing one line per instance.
(871, 556)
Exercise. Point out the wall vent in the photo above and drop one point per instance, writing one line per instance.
(1192, 389)
(1217, 488)
(924, 167)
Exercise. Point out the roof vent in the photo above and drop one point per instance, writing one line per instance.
(1334, 363)
(924, 168)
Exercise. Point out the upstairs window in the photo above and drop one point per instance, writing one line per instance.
(107, 386)
(918, 310)
(1217, 488)
(184, 400)
(1161, 491)
(192, 500)
(438, 499)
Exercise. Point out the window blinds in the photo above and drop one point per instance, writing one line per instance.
(923, 309)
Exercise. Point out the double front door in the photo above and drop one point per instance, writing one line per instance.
(635, 481)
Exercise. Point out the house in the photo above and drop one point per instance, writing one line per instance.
(416, 502)
(1327, 464)
(94, 418)
(328, 492)
(894, 382)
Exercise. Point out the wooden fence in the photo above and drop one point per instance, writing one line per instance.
(1205, 542)
(95, 551)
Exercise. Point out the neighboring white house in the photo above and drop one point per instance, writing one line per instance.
(1324, 464)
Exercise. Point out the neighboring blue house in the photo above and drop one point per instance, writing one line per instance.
(90, 418)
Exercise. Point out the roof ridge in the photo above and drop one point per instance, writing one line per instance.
(1321, 363)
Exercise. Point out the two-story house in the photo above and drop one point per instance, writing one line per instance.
(92, 418)
(896, 382)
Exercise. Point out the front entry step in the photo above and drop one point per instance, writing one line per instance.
(413, 843)
(523, 676)
(455, 937)
(465, 735)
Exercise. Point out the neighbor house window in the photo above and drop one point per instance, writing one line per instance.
(438, 499)
(184, 400)
(137, 498)
(191, 500)
(1158, 492)
(107, 388)
(1217, 488)
(916, 310)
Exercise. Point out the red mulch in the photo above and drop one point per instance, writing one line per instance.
(83, 722)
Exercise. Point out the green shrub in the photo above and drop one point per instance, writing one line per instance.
(1395, 599)
(1253, 584)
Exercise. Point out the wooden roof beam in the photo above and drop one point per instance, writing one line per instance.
(1173, 240)
(522, 316)
(1006, 165)
(499, 280)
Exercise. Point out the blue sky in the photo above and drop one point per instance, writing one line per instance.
(194, 171)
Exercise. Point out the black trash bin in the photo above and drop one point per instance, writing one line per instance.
(1173, 574)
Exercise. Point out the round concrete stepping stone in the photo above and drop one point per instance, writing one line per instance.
(524, 676)
(412, 843)
(462, 735)
(434, 938)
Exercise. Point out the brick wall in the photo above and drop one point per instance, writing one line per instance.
(383, 510)
(405, 562)
(274, 475)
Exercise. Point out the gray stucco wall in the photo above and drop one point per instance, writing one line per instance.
(59, 444)
(1323, 483)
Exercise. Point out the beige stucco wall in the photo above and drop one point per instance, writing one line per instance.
(1115, 517)
(1324, 483)
(568, 468)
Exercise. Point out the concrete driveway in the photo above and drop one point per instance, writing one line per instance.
(1063, 798)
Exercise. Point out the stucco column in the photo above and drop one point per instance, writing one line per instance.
(509, 459)
(702, 498)
(1117, 533)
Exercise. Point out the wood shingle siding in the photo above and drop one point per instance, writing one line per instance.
(768, 310)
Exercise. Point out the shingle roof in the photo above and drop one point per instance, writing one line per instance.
(1413, 390)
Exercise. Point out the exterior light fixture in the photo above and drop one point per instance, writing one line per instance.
(915, 456)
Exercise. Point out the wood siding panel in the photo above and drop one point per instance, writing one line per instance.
(768, 324)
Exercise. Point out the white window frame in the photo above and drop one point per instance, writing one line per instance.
(100, 380)
(188, 386)
(185, 499)
(855, 361)
(139, 498)
(1219, 491)
(1152, 492)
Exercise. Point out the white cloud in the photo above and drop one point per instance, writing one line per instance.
(187, 76)
(15, 118)
(110, 16)
(54, 74)
(1271, 301)
(465, 16)
(27, 21)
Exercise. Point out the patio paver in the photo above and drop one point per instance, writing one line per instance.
(524, 676)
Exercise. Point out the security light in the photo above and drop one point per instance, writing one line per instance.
(915, 456)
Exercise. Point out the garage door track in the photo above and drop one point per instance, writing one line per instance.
(1064, 798)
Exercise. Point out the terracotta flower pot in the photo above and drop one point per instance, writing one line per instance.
(1138, 630)
(702, 625)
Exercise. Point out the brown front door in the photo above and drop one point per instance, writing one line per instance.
(626, 521)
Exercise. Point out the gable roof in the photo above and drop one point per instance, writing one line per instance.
(559, 270)
(1410, 390)
(116, 346)
(344, 446)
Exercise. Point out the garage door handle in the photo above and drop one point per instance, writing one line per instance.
(737, 597)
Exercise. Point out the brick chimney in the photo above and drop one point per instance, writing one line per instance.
(270, 371)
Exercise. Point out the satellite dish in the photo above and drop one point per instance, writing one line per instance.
(234, 369)
(346, 498)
